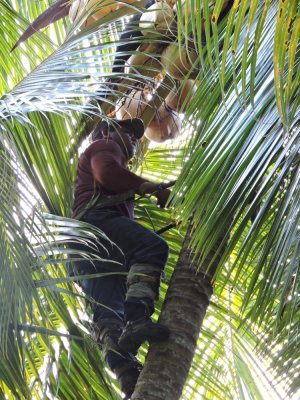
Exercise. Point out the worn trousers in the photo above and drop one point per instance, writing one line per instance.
(131, 244)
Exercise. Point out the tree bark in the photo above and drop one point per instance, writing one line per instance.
(168, 363)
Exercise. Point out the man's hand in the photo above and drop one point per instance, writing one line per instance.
(149, 188)
(162, 197)
(159, 190)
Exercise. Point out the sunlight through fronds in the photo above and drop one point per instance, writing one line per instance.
(237, 168)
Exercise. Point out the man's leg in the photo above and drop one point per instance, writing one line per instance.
(106, 295)
(145, 257)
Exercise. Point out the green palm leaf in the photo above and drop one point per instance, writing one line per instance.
(241, 163)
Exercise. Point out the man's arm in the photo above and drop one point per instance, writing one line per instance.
(106, 165)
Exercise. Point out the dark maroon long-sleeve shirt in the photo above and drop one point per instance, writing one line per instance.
(103, 169)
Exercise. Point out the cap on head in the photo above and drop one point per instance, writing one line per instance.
(134, 125)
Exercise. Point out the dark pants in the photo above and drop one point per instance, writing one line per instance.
(134, 244)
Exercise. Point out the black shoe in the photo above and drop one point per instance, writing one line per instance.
(137, 332)
(127, 374)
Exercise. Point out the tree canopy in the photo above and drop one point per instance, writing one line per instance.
(237, 168)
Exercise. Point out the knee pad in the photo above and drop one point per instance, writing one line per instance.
(143, 281)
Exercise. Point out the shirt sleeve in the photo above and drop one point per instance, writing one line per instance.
(107, 165)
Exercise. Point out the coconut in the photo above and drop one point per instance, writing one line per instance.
(184, 7)
(94, 10)
(178, 99)
(157, 18)
(142, 63)
(131, 106)
(178, 61)
(165, 125)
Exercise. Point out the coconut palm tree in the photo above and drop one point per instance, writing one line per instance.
(235, 206)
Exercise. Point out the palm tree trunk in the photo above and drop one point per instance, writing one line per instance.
(168, 363)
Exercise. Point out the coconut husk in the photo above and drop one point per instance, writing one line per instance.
(178, 61)
(165, 125)
(145, 61)
(178, 99)
(131, 106)
(157, 19)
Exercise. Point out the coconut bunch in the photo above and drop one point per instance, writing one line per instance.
(160, 54)
(153, 59)
(156, 59)
(166, 123)
(159, 18)
(176, 60)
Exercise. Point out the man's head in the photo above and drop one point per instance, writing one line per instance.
(124, 132)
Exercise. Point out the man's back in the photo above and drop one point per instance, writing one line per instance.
(102, 168)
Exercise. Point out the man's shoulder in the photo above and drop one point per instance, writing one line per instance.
(108, 149)
(103, 144)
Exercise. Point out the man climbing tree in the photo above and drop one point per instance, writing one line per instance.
(122, 305)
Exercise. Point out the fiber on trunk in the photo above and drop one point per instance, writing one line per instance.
(167, 364)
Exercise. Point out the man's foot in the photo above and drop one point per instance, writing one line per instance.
(127, 374)
(137, 332)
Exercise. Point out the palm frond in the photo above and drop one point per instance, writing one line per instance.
(238, 173)
(238, 161)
